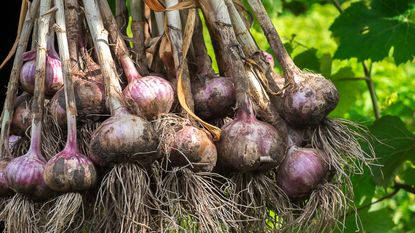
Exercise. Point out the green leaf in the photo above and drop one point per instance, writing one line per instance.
(349, 91)
(371, 32)
(391, 8)
(208, 44)
(308, 60)
(408, 176)
(394, 145)
(298, 7)
(112, 5)
(289, 47)
(379, 221)
(273, 7)
(363, 188)
(325, 65)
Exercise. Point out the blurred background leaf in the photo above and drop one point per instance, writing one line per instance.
(371, 31)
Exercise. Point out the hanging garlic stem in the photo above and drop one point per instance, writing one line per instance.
(13, 84)
(70, 101)
(174, 27)
(100, 37)
(40, 76)
(137, 27)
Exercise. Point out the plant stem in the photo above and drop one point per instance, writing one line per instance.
(267, 110)
(119, 47)
(159, 22)
(70, 100)
(408, 188)
(175, 32)
(137, 27)
(106, 62)
(226, 46)
(121, 15)
(337, 5)
(243, 35)
(73, 27)
(287, 64)
(202, 61)
(368, 76)
(245, 15)
(353, 79)
(156, 63)
(34, 34)
(371, 87)
(249, 45)
(40, 75)
(13, 84)
(174, 26)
